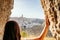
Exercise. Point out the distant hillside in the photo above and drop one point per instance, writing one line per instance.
(36, 29)
(35, 20)
(28, 22)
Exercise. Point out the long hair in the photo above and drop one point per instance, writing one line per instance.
(12, 31)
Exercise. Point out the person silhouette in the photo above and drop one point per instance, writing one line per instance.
(12, 31)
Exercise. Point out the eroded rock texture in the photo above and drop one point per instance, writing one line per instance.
(52, 10)
(5, 11)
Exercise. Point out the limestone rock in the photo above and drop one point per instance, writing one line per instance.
(5, 11)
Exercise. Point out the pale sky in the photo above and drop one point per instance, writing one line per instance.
(29, 9)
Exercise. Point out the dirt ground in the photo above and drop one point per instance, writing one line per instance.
(49, 38)
(46, 38)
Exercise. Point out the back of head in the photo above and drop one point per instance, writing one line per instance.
(12, 31)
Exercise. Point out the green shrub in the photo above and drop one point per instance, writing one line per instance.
(24, 34)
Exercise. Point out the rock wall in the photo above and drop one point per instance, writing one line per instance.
(52, 10)
(5, 11)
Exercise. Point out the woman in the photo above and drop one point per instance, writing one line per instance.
(12, 31)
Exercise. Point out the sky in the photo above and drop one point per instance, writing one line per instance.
(29, 9)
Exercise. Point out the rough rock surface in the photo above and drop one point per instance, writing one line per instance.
(52, 10)
(5, 11)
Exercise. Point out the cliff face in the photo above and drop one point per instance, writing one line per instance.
(5, 11)
(52, 10)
